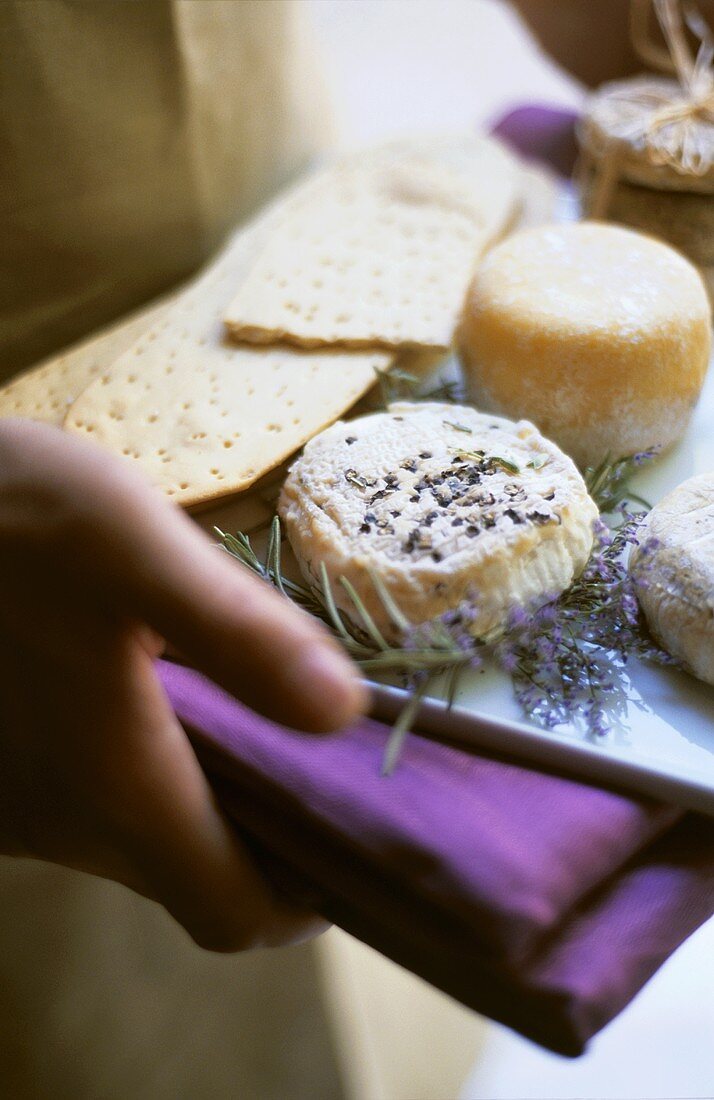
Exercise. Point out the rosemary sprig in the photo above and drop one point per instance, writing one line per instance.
(566, 658)
(239, 546)
(449, 391)
(432, 652)
(401, 727)
(608, 482)
(398, 384)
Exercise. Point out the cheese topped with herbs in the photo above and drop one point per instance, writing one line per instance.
(445, 505)
(673, 569)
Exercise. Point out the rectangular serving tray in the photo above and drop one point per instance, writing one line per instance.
(666, 746)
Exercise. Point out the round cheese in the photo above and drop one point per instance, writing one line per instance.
(673, 568)
(599, 335)
(446, 506)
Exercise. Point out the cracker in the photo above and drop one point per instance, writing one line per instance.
(203, 418)
(201, 427)
(382, 254)
(488, 170)
(45, 392)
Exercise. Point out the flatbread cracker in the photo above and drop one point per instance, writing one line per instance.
(45, 392)
(382, 255)
(204, 426)
(489, 171)
(203, 418)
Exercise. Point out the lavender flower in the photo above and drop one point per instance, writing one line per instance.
(566, 657)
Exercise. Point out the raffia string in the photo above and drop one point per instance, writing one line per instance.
(679, 148)
(668, 130)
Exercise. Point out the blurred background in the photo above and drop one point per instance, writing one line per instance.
(395, 66)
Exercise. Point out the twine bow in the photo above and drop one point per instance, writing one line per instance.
(668, 130)
(666, 124)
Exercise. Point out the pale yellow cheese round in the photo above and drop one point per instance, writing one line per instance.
(599, 335)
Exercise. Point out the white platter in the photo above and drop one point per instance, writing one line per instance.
(666, 748)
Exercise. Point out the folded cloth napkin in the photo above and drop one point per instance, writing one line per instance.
(540, 901)
(545, 134)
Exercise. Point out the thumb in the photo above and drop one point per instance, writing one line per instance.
(143, 559)
(227, 622)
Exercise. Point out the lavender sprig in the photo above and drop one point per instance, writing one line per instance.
(566, 658)
(608, 483)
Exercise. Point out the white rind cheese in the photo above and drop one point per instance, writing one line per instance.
(674, 573)
(445, 505)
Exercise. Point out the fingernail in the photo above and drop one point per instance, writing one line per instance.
(333, 692)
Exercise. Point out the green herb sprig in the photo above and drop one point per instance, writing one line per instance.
(609, 482)
(398, 384)
(433, 650)
(566, 659)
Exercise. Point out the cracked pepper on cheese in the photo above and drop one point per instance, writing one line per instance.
(445, 504)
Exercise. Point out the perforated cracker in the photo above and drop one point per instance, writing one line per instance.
(205, 426)
(46, 392)
(204, 418)
(488, 172)
(381, 255)
(201, 417)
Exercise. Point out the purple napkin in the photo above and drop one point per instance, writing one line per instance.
(537, 900)
(540, 133)
(542, 902)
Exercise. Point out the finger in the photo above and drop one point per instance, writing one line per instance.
(233, 626)
(117, 791)
(96, 774)
(145, 559)
(187, 855)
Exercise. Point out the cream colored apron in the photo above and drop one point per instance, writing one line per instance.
(133, 137)
(134, 134)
